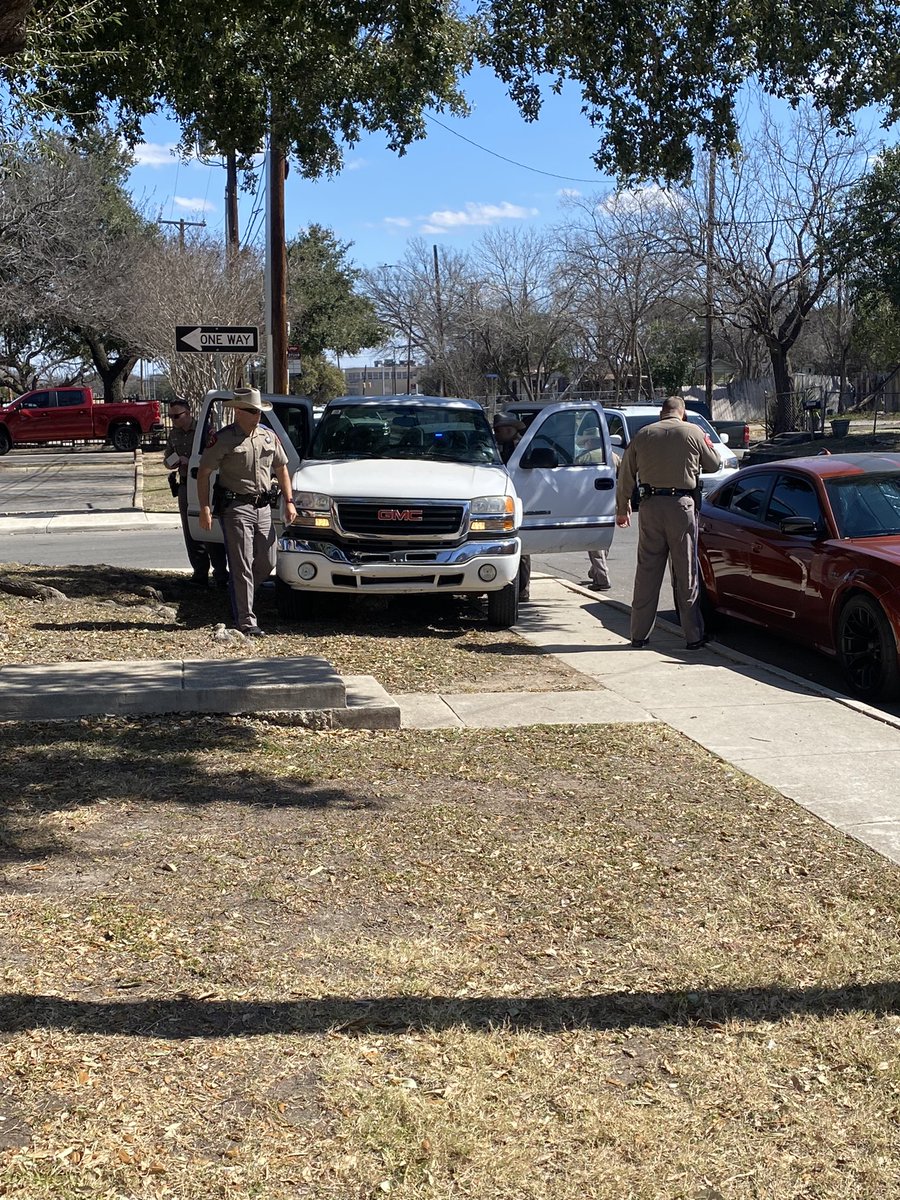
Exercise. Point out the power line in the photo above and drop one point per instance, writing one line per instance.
(503, 158)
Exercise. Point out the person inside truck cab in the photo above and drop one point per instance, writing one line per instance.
(508, 432)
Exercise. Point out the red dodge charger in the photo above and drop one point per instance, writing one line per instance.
(810, 548)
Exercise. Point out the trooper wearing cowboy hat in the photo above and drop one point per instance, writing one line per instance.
(247, 456)
(508, 431)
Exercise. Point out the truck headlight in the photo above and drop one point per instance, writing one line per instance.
(491, 505)
(492, 514)
(315, 501)
(313, 510)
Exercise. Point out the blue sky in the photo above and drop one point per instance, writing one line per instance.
(443, 189)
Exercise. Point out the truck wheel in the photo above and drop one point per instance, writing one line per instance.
(125, 437)
(503, 606)
(5, 442)
(289, 603)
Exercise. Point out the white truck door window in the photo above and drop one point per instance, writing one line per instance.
(564, 472)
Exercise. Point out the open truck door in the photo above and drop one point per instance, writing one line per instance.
(564, 472)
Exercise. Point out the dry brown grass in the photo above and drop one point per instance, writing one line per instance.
(441, 645)
(243, 961)
(156, 492)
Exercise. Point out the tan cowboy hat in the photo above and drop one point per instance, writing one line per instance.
(249, 399)
(509, 420)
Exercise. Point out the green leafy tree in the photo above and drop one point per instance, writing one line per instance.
(324, 308)
(873, 231)
(319, 379)
(673, 350)
(320, 74)
(655, 75)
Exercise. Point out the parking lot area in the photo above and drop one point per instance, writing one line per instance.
(81, 479)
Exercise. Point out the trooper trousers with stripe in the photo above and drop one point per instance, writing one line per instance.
(250, 547)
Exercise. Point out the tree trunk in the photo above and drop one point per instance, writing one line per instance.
(113, 372)
(784, 390)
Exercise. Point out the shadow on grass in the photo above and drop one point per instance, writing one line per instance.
(177, 1019)
(61, 768)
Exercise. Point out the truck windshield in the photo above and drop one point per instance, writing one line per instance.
(428, 431)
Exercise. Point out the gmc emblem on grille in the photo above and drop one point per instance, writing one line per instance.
(399, 514)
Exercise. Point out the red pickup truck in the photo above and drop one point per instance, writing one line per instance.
(70, 414)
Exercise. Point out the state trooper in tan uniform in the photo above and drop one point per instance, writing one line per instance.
(247, 456)
(666, 458)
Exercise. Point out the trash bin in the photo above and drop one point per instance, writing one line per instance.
(840, 427)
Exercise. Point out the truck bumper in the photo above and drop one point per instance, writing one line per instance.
(332, 568)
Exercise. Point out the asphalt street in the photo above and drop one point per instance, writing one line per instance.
(85, 479)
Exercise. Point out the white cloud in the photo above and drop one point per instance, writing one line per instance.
(154, 154)
(193, 205)
(398, 222)
(634, 199)
(568, 193)
(355, 164)
(475, 214)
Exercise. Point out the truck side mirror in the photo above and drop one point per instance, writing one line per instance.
(723, 438)
(540, 457)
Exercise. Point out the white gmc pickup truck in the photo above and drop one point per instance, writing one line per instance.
(405, 494)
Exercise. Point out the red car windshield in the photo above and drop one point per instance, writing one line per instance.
(866, 505)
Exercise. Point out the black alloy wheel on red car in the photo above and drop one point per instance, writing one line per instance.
(867, 649)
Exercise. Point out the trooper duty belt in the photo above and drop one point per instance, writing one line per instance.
(646, 490)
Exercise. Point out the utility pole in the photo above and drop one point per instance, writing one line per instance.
(710, 256)
(440, 317)
(232, 238)
(276, 260)
(181, 223)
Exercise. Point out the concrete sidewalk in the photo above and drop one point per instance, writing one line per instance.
(837, 757)
(100, 522)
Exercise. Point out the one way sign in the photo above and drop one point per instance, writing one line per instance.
(216, 339)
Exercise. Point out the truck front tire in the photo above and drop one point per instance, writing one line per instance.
(125, 437)
(503, 606)
(289, 604)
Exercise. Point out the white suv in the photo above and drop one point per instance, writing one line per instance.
(624, 422)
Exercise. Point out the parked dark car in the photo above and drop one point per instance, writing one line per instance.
(810, 548)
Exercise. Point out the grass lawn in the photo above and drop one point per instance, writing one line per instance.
(244, 961)
(241, 961)
(157, 494)
(407, 644)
